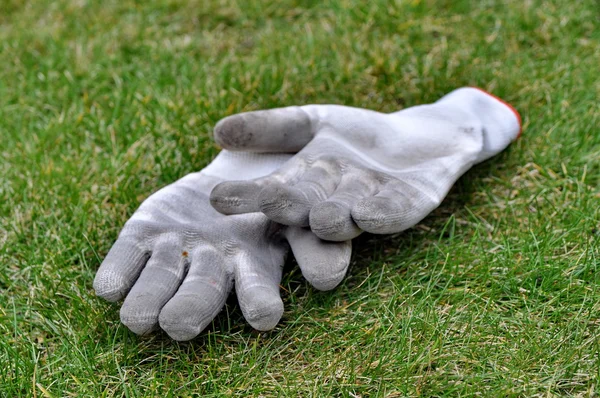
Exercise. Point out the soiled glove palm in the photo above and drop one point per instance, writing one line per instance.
(176, 259)
(360, 170)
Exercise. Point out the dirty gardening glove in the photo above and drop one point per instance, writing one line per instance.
(176, 259)
(360, 170)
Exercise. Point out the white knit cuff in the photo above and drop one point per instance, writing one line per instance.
(500, 121)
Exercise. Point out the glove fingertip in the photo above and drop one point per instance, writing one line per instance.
(264, 311)
(235, 197)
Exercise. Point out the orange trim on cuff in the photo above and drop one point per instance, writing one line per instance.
(512, 108)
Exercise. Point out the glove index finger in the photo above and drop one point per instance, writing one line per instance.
(236, 197)
(242, 196)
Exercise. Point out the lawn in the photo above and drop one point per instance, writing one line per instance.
(495, 294)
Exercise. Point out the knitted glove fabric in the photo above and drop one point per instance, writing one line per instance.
(177, 259)
(359, 170)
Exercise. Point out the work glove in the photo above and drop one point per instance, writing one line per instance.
(359, 170)
(176, 259)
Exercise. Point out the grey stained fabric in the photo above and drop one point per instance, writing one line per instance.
(359, 170)
(177, 259)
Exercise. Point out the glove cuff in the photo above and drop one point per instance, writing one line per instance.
(500, 121)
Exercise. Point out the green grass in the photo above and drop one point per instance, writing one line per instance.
(495, 294)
